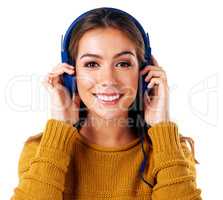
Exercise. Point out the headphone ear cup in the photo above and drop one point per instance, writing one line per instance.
(138, 103)
(69, 82)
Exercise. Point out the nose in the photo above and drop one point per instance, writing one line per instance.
(108, 77)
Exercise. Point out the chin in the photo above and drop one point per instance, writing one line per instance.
(108, 115)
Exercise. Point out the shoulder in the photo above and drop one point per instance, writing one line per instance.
(28, 152)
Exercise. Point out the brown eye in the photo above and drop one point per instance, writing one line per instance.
(124, 64)
(90, 64)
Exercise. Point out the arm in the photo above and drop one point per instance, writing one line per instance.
(174, 165)
(42, 169)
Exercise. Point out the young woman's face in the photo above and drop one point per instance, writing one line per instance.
(107, 72)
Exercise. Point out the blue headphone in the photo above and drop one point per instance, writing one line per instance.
(69, 80)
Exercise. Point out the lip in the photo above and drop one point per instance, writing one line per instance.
(108, 94)
(108, 102)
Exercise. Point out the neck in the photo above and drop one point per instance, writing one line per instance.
(107, 132)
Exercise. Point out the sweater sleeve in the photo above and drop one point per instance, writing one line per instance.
(42, 172)
(174, 165)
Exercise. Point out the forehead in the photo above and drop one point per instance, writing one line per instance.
(102, 40)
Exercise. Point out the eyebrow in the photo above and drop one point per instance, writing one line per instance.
(115, 56)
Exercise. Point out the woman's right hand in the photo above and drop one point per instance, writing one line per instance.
(63, 107)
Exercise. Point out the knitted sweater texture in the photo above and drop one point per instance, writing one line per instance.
(62, 165)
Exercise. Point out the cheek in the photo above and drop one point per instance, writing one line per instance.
(130, 83)
(130, 87)
(85, 83)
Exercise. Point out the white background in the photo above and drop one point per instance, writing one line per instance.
(186, 39)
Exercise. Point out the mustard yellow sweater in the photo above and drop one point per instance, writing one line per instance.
(61, 165)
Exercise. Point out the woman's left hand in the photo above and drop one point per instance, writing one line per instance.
(156, 103)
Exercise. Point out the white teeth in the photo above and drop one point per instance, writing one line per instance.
(108, 98)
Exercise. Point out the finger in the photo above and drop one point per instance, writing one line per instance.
(59, 65)
(154, 61)
(63, 69)
(53, 75)
(147, 97)
(68, 65)
(154, 81)
(54, 78)
(149, 68)
(46, 84)
(46, 79)
(159, 74)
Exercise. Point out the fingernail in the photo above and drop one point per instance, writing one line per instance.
(149, 86)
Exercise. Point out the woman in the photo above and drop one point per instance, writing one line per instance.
(100, 159)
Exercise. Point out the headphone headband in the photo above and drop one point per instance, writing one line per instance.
(66, 40)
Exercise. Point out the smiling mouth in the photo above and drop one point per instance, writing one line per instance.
(108, 98)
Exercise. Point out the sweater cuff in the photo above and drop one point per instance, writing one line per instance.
(165, 137)
(59, 135)
(166, 143)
